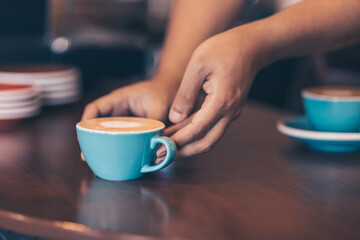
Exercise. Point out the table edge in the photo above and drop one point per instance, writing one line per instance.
(54, 229)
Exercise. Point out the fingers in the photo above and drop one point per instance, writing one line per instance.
(222, 104)
(206, 143)
(161, 152)
(160, 159)
(187, 94)
(99, 107)
(201, 145)
(176, 127)
(210, 112)
(90, 111)
(110, 104)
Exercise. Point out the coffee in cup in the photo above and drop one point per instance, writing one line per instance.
(121, 124)
(333, 108)
(123, 148)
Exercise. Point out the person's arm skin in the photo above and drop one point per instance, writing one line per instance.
(191, 23)
(225, 65)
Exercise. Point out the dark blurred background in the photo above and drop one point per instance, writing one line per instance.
(120, 39)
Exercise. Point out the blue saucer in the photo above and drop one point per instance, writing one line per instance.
(299, 129)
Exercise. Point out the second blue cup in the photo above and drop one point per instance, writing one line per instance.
(333, 109)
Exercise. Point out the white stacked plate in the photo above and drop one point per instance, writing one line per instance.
(57, 84)
(18, 102)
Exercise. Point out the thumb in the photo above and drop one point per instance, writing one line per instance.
(187, 94)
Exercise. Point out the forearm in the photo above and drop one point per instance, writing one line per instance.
(191, 23)
(311, 26)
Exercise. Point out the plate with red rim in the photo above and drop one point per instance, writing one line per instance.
(43, 76)
(55, 83)
(19, 113)
(48, 81)
(61, 97)
(12, 92)
(23, 109)
(38, 70)
(61, 87)
(7, 89)
(22, 103)
(61, 94)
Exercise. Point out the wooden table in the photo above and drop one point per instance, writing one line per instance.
(256, 184)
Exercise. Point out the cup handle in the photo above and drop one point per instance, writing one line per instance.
(170, 153)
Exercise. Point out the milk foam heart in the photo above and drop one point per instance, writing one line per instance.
(121, 124)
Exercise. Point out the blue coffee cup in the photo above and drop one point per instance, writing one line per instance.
(332, 109)
(116, 155)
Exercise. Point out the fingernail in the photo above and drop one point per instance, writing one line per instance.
(176, 117)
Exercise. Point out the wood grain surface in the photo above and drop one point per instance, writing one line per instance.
(255, 184)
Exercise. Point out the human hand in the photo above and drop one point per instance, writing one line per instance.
(224, 67)
(149, 99)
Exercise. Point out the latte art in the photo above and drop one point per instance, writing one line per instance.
(333, 92)
(121, 124)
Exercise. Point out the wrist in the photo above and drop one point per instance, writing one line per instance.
(260, 50)
(166, 82)
(167, 78)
